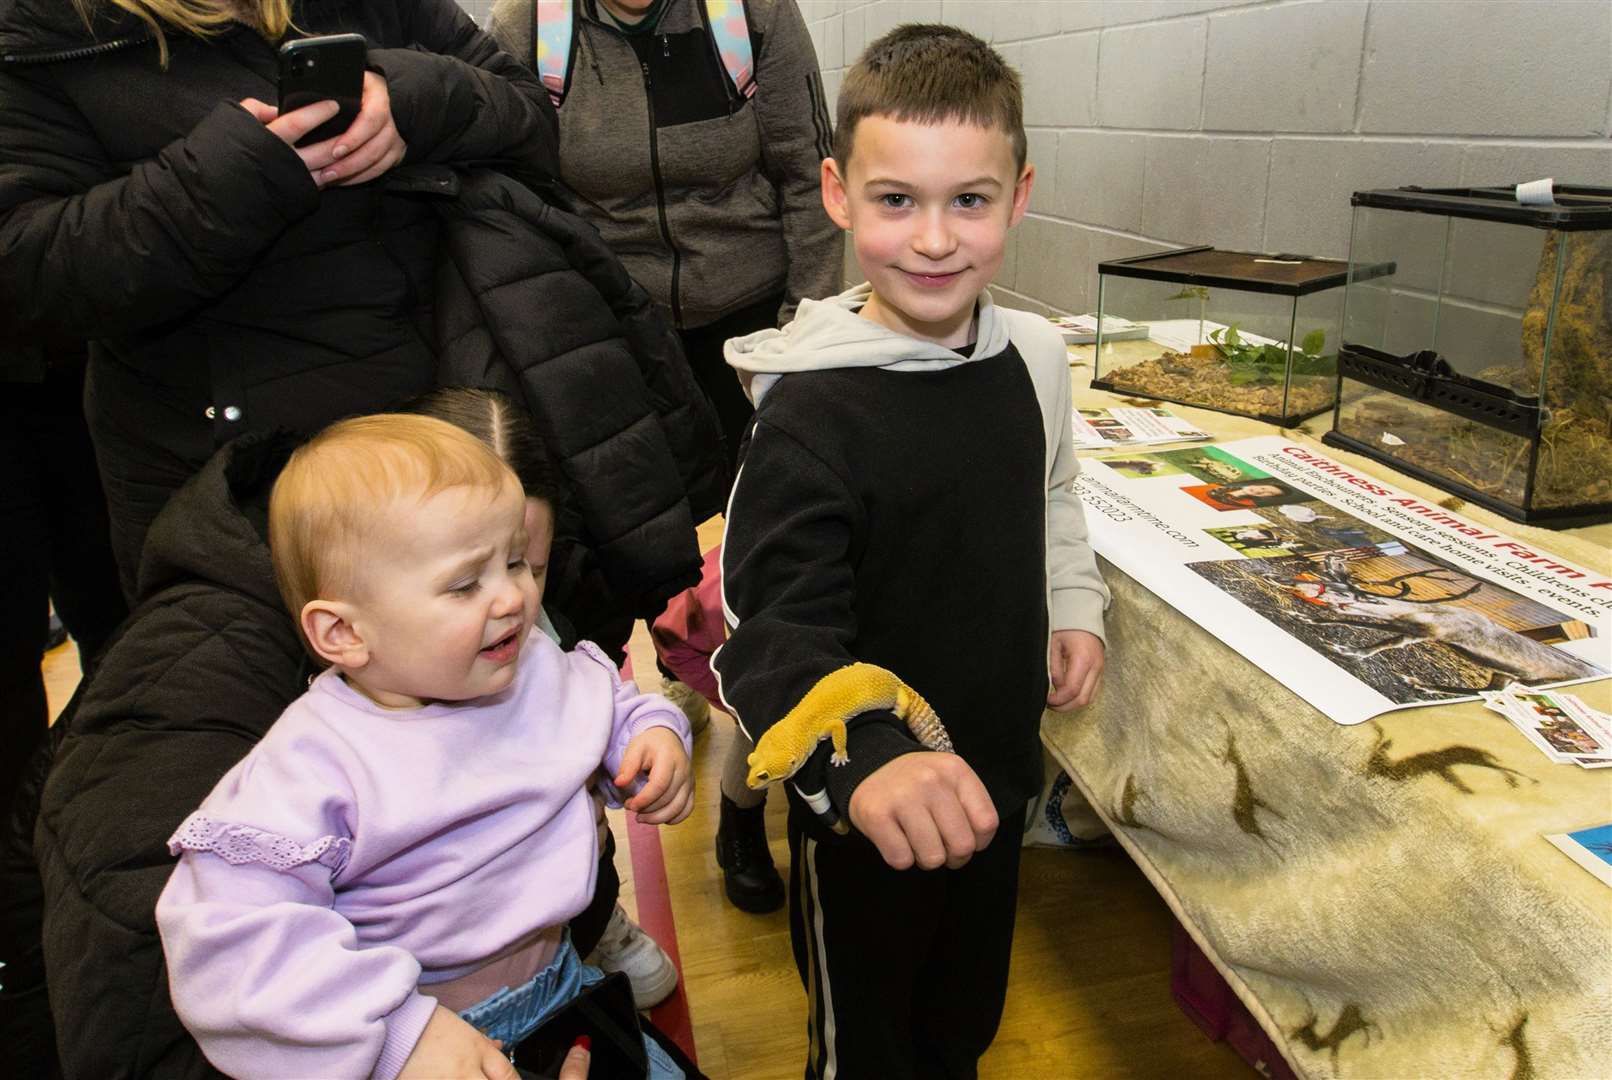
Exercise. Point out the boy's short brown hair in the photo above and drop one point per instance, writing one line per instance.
(927, 73)
(329, 498)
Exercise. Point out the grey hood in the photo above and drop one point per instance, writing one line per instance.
(831, 333)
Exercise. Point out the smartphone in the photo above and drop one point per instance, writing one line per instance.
(605, 1013)
(329, 68)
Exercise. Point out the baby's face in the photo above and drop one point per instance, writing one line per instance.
(445, 598)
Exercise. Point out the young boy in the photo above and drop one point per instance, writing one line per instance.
(905, 502)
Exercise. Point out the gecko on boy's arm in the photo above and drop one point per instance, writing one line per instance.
(823, 714)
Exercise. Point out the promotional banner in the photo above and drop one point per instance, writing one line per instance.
(1357, 596)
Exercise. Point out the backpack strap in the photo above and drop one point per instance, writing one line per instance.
(554, 43)
(553, 34)
(730, 32)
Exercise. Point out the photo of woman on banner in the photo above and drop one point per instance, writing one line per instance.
(1247, 495)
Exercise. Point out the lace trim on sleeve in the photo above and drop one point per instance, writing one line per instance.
(240, 844)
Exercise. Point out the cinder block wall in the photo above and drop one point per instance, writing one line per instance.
(1247, 123)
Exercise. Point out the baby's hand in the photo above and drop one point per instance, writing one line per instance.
(668, 792)
(450, 1049)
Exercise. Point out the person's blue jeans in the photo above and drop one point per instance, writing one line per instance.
(512, 1014)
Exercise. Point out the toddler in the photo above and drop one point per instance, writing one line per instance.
(381, 886)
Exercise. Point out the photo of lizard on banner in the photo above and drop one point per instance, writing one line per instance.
(1411, 628)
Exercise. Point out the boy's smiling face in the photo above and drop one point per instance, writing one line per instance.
(929, 207)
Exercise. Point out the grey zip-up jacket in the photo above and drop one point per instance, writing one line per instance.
(711, 200)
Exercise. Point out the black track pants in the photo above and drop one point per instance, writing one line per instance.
(905, 971)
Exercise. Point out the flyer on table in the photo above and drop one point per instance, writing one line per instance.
(1356, 595)
(1590, 848)
(1095, 428)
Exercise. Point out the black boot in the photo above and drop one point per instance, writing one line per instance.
(748, 875)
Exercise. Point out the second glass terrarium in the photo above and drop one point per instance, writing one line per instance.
(1244, 333)
(1484, 363)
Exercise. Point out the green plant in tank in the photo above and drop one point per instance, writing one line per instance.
(1264, 364)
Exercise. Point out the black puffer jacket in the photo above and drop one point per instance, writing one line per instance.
(531, 302)
(145, 209)
(196, 676)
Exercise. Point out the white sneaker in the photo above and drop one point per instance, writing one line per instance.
(691, 702)
(627, 949)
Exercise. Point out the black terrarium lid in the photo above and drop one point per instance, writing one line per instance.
(1576, 208)
(1289, 275)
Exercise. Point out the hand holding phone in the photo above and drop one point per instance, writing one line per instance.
(329, 68)
(354, 138)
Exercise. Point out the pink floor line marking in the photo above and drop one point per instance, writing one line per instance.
(655, 916)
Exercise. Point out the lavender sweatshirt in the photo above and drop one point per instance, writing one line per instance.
(358, 854)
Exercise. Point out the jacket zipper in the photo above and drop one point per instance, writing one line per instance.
(80, 53)
(660, 195)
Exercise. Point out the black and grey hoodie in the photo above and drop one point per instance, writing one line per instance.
(711, 200)
(907, 505)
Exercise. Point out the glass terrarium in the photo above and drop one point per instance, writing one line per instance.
(1243, 333)
(1483, 363)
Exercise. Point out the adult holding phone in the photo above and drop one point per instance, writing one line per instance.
(233, 275)
(692, 133)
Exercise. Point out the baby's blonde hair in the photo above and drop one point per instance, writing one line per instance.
(334, 489)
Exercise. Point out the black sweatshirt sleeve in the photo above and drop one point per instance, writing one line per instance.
(788, 589)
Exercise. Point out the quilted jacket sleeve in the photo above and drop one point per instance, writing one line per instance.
(177, 701)
(458, 99)
(685, 413)
(192, 220)
(525, 305)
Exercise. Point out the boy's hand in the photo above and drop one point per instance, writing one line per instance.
(1076, 663)
(668, 792)
(450, 1049)
(924, 808)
